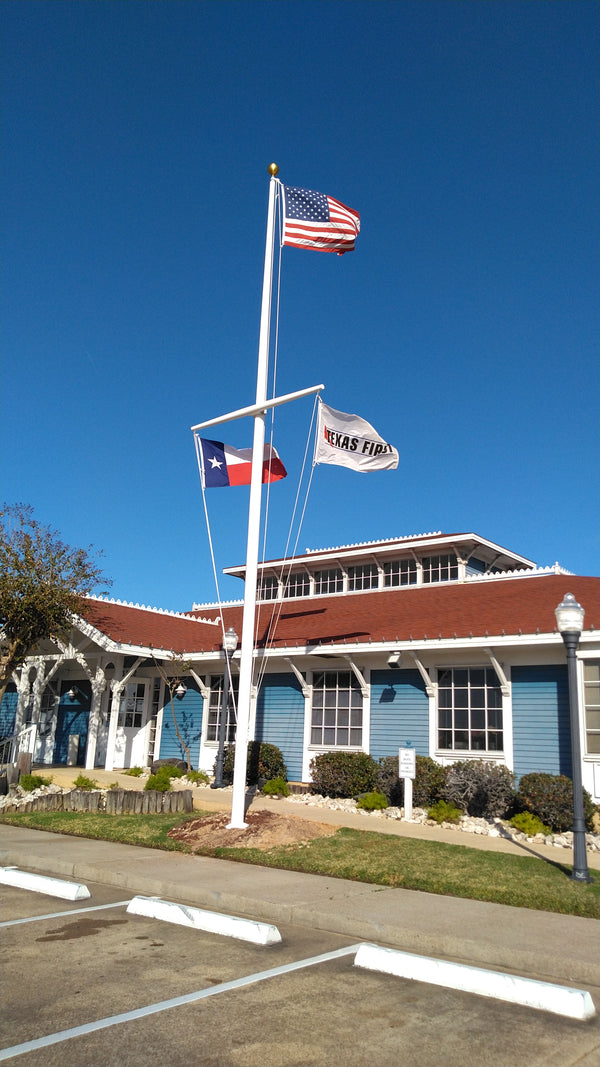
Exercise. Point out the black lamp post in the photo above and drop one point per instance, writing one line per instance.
(230, 641)
(569, 619)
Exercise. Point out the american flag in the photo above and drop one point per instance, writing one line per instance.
(314, 220)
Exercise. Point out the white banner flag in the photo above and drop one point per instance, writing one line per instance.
(350, 441)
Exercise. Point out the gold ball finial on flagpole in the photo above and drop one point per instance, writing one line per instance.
(273, 169)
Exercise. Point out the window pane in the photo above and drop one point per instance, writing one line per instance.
(355, 737)
(317, 717)
(478, 719)
(315, 737)
(342, 737)
(343, 717)
(330, 717)
(495, 742)
(592, 719)
(329, 737)
(495, 719)
(591, 672)
(356, 717)
(593, 743)
(445, 718)
(461, 739)
(461, 719)
(445, 739)
(478, 677)
(478, 741)
(592, 693)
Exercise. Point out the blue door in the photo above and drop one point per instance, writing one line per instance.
(72, 720)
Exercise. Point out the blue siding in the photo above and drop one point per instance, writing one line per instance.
(541, 733)
(73, 717)
(188, 711)
(8, 711)
(280, 719)
(399, 713)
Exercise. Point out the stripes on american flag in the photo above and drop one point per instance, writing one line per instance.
(314, 220)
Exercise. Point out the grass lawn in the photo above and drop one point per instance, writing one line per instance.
(364, 856)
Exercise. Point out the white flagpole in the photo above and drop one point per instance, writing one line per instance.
(247, 647)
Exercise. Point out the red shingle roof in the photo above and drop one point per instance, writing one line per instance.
(506, 606)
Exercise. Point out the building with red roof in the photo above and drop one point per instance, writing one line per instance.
(447, 643)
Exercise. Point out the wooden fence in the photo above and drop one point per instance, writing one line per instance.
(113, 802)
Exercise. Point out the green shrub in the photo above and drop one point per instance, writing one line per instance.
(276, 787)
(29, 782)
(550, 797)
(135, 772)
(374, 801)
(83, 782)
(444, 812)
(428, 784)
(160, 782)
(264, 761)
(482, 789)
(529, 824)
(168, 770)
(197, 776)
(343, 774)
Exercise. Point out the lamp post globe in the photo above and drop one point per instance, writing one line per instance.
(569, 621)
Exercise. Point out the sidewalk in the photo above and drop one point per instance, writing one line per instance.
(553, 947)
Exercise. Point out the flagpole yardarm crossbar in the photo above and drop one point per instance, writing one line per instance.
(258, 409)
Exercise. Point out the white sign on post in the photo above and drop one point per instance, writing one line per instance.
(407, 769)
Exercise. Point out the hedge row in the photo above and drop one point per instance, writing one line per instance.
(477, 787)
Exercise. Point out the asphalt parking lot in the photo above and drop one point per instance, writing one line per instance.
(76, 964)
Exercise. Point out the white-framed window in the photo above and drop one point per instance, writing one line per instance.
(440, 568)
(591, 696)
(131, 709)
(363, 576)
(469, 710)
(399, 572)
(268, 587)
(329, 581)
(215, 708)
(337, 710)
(297, 585)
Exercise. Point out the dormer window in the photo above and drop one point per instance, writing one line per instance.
(399, 572)
(440, 569)
(297, 585)
(329, 581)
(364, 576)
(268, 588)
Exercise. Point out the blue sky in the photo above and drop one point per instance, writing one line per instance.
(136, 143)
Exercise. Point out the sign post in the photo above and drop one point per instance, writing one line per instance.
(407, 769)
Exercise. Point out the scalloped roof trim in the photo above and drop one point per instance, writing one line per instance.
(216, 604)
(378, 541)
(156, 611)
(524, 572)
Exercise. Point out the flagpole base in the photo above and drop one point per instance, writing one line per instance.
(237, 826)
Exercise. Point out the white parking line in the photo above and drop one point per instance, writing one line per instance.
(530, 993)
(213, 922)
(42, 883)
(174, 1002)
(60, 914)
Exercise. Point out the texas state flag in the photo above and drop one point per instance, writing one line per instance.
(222, 465)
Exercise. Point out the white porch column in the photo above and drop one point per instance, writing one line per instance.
(117, 689)
(98, 687)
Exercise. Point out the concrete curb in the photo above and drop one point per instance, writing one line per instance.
(41, 883)
(544, 996)
(211, 921)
